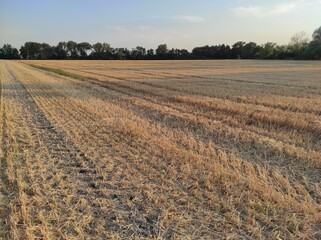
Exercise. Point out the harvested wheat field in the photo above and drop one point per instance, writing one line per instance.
(160, 150)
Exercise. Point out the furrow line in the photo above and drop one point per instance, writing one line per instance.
(255, 117)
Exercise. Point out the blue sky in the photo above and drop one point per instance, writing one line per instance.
(179, 23)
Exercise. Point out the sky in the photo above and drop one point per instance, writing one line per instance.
(148, 23)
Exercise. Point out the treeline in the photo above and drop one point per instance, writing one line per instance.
(299, 48)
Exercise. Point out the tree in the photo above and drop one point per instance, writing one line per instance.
(282, 52)
(200, 52)
(161, 51)
(313, 50)
(223, 52)
(46, 51)
(173, 54)
(83, 48)
(97, 52)
(211, 52)
(150, 53)
(102, 51)
(31, 50)
(72, 49)
(317, 34)
(98, 47)
(61, 50)
(138, 53)
(141, 52)
(121, 53)
(298, 43)
(178, 54)
(250, 50)
(267, 51)
(107, 51)
(237, 50)
(299, 39)
(184, 54)
(8, 52)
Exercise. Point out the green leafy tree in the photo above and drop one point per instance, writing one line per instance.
(250, 50)
(98, 52)
(31, 50)
(46, 51)
(150, 54)
(8, 52)
(268, 51)
(83, 48)
(173, 53)
(313, 50)
(317, 34)
(237, 50)
(102, 51)
(161, 51)
(121, 53)
(141, 52)
(107, 51)
(72, 49)
(184, 54)
(61, 50)
(282, 52)
(138, 53)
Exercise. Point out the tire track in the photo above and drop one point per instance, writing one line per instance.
(77, 115)
(254, 117)
(4, 183)
(63, 155)
(159, 100)
(201, 130)
(197, 94)
(184, 185)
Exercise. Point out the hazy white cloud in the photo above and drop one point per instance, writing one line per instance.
(278, 9)
(284, 8)
(248, 11)
(190, 19)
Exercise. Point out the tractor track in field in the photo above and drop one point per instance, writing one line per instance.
(158, 75)
(197, 94)
(254, 117)
(4, 183)
(55, 141)
(80, 114)
(292, 163)
(208, 78)
(66, 159)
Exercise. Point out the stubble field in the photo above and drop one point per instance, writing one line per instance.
(160, 150)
